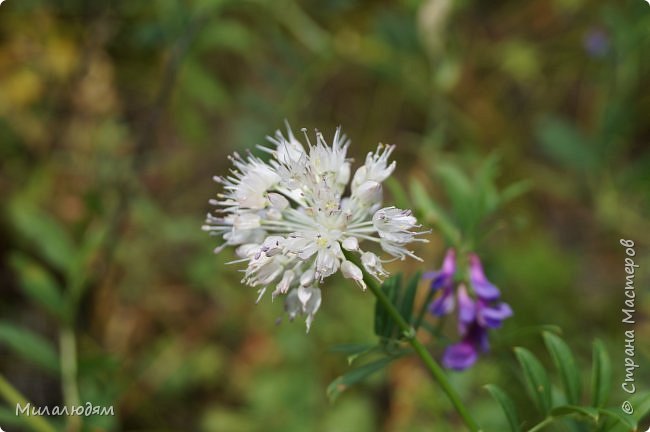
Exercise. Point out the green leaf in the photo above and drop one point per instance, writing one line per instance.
(408, 297)
(457, 184)
(641, 404)
(566, 365)
(342, 383)
(354, 351)
(8, 417)
(507, 405)
(45, 234)
(515, 190)
(601, 378)
(30, 346)
(487, 192)
(537, 382)
(618, 416)
(432, 213)
(567, 410)
(465, 202)
(563, 142)
(39, 285)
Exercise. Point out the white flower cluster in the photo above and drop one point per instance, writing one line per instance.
(290, 221)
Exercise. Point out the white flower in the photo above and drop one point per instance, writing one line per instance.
(290, 221)
(353, 272)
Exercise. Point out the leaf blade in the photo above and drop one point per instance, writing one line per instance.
(507, 405)
(567, 410)
(30, 346)
(37, 284)
(537, 381)
(601, 378)
(343, 382)
(566, 365)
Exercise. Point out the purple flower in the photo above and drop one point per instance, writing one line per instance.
(464, 354)
(467, 309)
(475, 318)
(479, 309)
(492, 316)
(445, 276)
(443, 281)
(482, 287)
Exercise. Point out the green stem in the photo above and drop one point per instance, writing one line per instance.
(15, 398)
(68, 345)
(539, 426)
(421, 351)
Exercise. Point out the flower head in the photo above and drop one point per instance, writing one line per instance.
(290, 221)
(479, 309)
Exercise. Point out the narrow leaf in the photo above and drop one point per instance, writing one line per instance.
(342, 383)
(566, 365)
(641, 406)
(45, 234)
(567, 410)
(432, 213)
(507, 405)
(354, 351)
(562, 141)
(39, 285)
(618, 416)
(515, 190)
(601, 379)
(537, 382)
(29, 346)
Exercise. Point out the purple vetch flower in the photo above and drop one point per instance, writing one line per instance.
(492, 316)
(464, 354)
(475, 318)
(479, 309)
(443, 282)
(481, 286)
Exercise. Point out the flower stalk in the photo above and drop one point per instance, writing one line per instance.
(71, 397)
(409, 332)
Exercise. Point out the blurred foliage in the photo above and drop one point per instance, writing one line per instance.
(115, 115)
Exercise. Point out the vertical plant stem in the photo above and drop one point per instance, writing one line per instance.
(14, 398)
(68, 346)
(421, 351)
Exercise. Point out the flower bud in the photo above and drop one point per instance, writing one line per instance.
(369, 193)
(351, 271)
(351, 244)
(278, 201)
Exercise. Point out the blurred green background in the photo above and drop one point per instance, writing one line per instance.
(115, 115)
